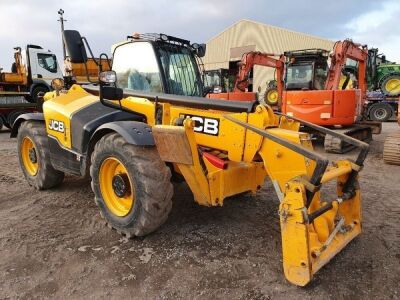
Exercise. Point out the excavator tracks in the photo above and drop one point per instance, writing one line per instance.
(335, 145)
(391, 149)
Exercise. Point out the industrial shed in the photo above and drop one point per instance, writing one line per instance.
(226, 49)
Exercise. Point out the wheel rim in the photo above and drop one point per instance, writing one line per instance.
(393, 86)
(29, 156)
(380, 113)
(116, 187)
(272, 97)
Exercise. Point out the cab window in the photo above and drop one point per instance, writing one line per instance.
(136, 67)
(48, 62)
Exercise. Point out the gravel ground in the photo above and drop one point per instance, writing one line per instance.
(53, 244)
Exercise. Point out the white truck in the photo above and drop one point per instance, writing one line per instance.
(31, 73)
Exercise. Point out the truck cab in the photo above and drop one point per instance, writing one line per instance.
(31, 73)
(43, 65)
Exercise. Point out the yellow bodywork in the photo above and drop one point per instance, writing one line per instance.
(250, 158)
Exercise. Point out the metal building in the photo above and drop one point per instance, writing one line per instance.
(226, 49)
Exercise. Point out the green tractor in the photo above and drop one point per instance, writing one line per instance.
(382, 74)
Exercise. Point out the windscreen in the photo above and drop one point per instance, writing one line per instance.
(137, 68)
(212, 78)
(299, 77)
(181, 71)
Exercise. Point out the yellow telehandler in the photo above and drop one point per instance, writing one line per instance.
(146, 120)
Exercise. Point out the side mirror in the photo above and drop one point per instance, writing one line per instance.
(75, 47)
(200, 49)
(107, 91)
(383, 58)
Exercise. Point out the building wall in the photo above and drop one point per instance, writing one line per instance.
(245, 36)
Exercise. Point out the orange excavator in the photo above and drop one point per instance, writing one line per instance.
(249, 60)
(316, 93)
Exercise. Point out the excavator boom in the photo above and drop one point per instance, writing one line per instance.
(248, 61)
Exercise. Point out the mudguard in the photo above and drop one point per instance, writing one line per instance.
(135, 133)
(22, 118)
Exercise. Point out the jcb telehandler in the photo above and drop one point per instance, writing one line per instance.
(130, 141)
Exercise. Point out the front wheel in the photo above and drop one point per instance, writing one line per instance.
(34, 156)
(131, 185)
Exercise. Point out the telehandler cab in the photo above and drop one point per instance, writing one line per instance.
(130, 142)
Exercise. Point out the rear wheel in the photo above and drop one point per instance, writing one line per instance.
(34, 156)
(390, 85)
(131, 185)
(1, 122)
(380, 112)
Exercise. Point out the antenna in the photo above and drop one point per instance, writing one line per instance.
(62, 20)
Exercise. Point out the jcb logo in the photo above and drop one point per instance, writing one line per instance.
(56, 126)
(204, 125)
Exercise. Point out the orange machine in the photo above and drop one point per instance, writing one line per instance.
(314, 93)
(81, 73)
(249, 60)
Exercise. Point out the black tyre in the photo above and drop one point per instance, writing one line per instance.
(36, 93)
(390, 85)
(34, 156)
(380, 112)
(1, 122)
(131, 185)
(12, 116)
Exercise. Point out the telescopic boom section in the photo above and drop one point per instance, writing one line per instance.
(251, 59)
(341, 52)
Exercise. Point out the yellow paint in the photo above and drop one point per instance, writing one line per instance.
(119, 206)
(62, 108)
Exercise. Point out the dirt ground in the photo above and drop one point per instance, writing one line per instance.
(53, 244)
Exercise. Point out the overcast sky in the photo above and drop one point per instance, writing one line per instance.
(105, 22)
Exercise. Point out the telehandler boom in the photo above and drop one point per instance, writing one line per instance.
(131, 141)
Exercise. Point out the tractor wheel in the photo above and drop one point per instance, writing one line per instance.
(391, 149)
(271, 96)
(390, 85)
(34, 156)
(131, 185)
(380, 112)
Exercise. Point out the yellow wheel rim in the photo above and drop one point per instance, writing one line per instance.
(29, 156)
(272, 97)
(116, 187)
(393, 86)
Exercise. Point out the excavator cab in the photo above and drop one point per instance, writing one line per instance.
(306, 69)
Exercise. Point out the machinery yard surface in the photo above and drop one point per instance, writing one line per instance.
(55, 244)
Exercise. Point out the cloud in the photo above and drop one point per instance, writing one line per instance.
(105, 22)
(378, 29)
